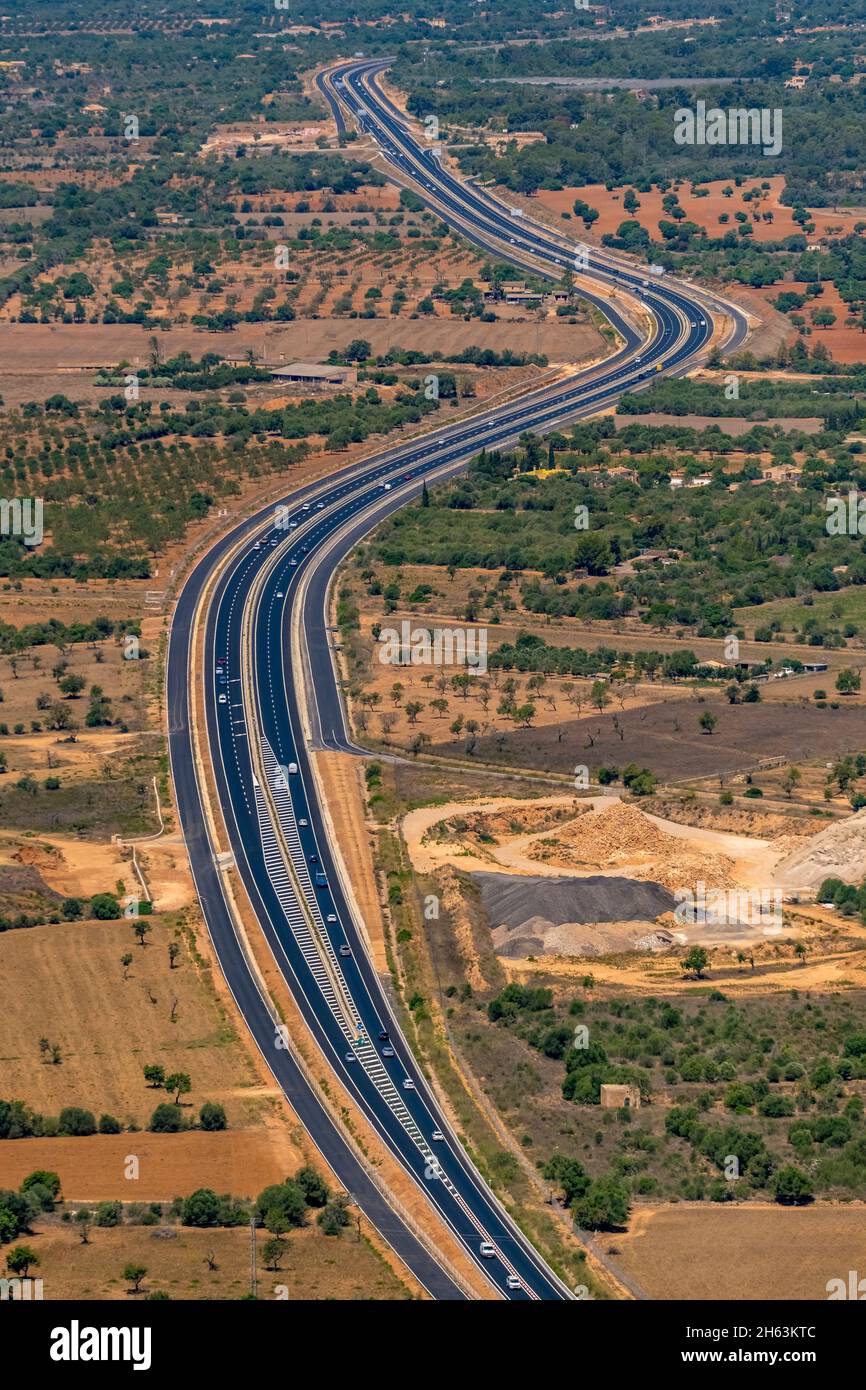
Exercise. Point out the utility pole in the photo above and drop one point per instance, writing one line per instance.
(254, 1221)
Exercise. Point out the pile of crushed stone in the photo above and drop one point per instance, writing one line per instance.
(573, 916)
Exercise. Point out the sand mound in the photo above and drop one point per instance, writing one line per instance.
(838, 851)
(620, 836)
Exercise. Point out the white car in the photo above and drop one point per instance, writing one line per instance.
(303, 821)
(408, 1084)
(437, 1136)
(320, 507)
(306, 507)
(279, 593)
(222, 699)
(293, 767)
(386, 487)
(487, 1249)
(513, 1282)
(294, 564)
(331, 917)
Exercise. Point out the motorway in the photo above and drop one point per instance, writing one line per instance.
(252, 588)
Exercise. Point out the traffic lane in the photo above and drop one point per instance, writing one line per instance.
(232, 961)
(367, 990)
(334, 1040)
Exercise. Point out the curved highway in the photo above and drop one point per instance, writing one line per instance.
(275, 574)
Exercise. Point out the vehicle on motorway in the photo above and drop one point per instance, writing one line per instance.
(293, 563)
(320, 507)
(321, 881)
(303, 821)
(513, 1282)
(350, 1057)
(306, 506)
(314, 858)
(388, 1051)
(408, 1084)
(279, 593)
(384, 1035)
(293, 767)
(386, 487)
(487, 1249)
(345, 950)
(331, 917)
(223, 697)
(437, 1136)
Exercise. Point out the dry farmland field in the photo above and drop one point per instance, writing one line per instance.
(667, 737)
(697, 1252)
(109, 1027)
(178, 1261)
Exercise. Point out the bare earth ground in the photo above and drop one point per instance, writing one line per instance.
(751, 860)
(91, 1169)
(667, 738)
(666, 1250)
(314, 1266)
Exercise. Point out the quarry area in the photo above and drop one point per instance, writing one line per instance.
(598, 876)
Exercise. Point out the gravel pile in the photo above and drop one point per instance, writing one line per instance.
(572, 916)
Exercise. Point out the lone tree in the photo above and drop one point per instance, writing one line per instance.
(696, 960)
(141, 929)
(273, 1252)
(848, 681)
(134, 1275)
(180, 1083)
(20, 1260)
(173, 953)
(154, 1075)
(708, 722)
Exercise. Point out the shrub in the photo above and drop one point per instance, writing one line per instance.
(166, 1119)
(74, 1120)
(212, 1116)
